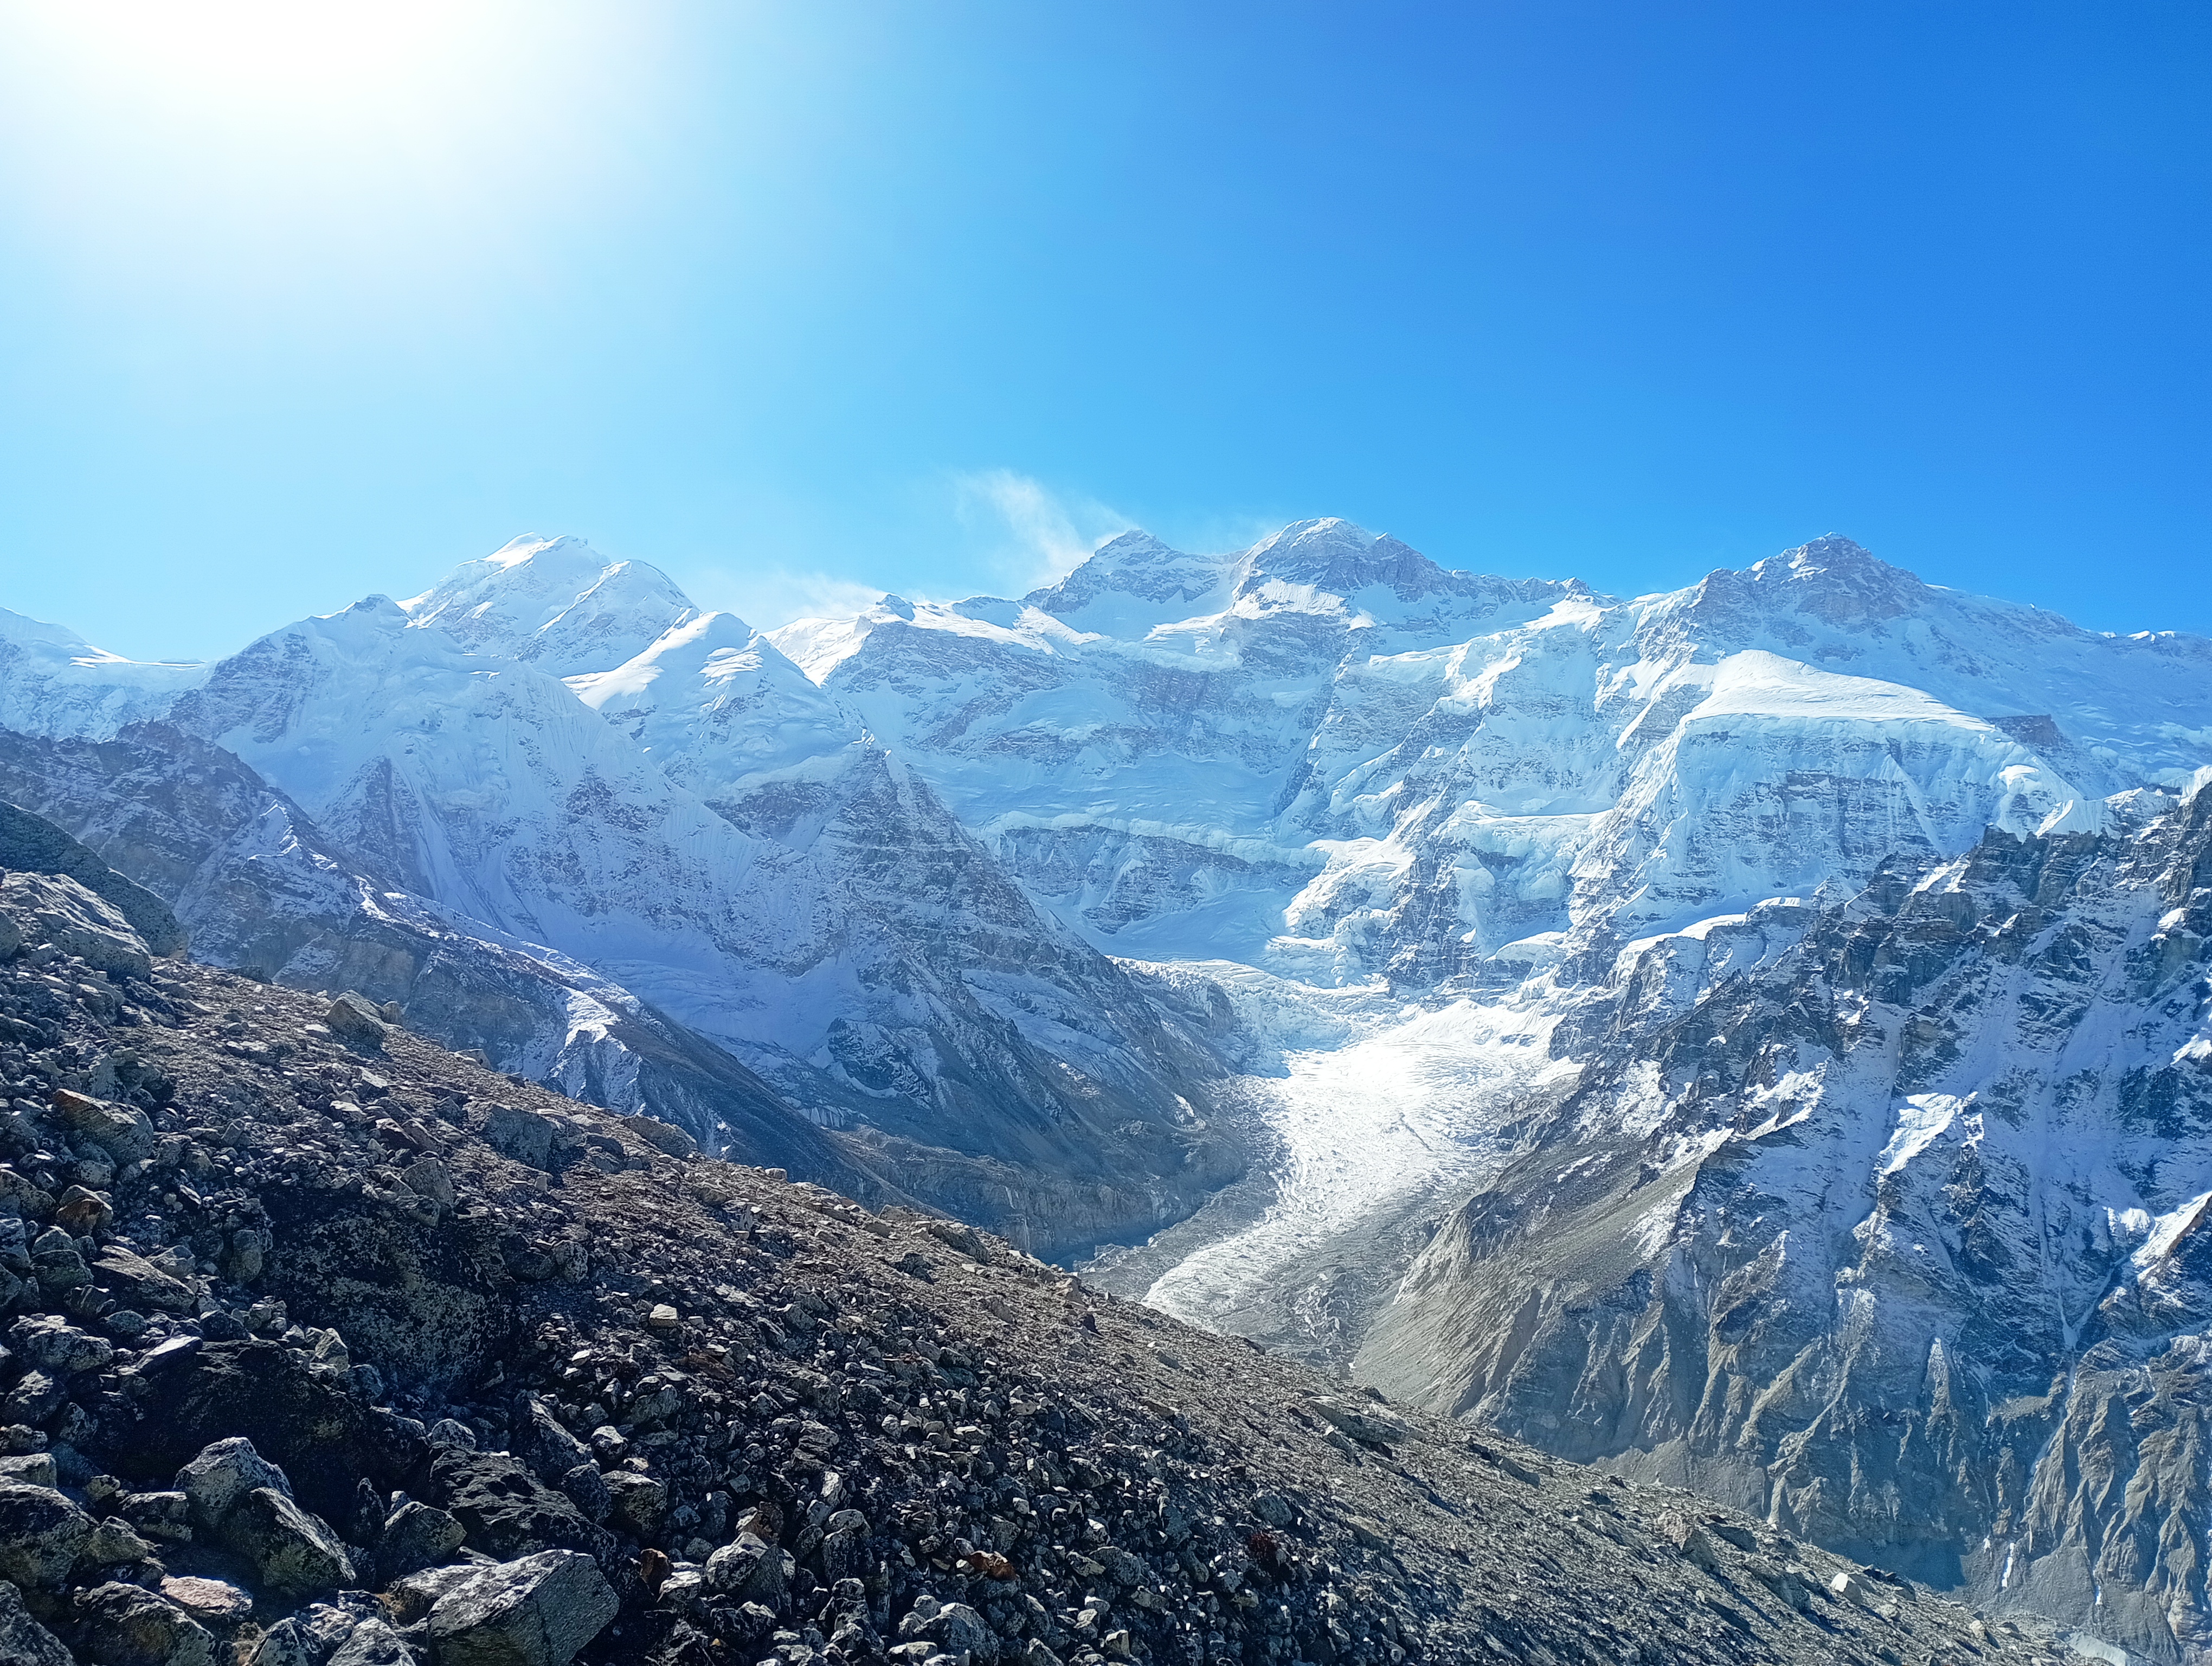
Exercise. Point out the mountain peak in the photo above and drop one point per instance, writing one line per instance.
(1134, 567)
(1340, 556)
(1832, 579)
(554, 602)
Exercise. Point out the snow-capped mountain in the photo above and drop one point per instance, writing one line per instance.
(1576, 965)
(810, 911)
(54, 682)
(1459, 850)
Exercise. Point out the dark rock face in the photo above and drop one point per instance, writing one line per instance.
(505, 1510)
(321, 1435)
(637, 1407)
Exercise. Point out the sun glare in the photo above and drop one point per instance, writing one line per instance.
(248, 60)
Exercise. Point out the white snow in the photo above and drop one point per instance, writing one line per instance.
(1921, 1120)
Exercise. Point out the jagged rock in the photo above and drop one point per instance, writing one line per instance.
(357, 1023)
(285, 1644)
(164, 1516)
(587, 1489)
(122, 1131)
(55, 1345)
(637, 1503)
(417, 1535)
(220, 1474)
(113, 1541)
(86, 1214)
(960, 1630)
(1362, 1420)
(54, 909)
(412, 1597)
(134, 1279)
(41, 1535)
(547, 1447)
(122, 1625)
(36, 1396)
(748, 1569)
(427, 1176)
(288, 1549)
(537, 1611)
(23, 1640)
(1687, 1538)
(527, 1136)
(505, 1511)
(32, 1469)
(373, 1643)
(313, 1429)
(664, 1137)
(59, 1264)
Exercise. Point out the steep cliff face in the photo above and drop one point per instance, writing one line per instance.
(1892, 1234)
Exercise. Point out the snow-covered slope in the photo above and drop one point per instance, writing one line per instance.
(54, 682)
(266, 892)
(1895, 1234)
(696, 823)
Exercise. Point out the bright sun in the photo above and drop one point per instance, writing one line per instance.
(249, 59)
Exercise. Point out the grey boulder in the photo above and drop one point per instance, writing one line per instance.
(23, 1640)
(1361, 1420)
(121, 1624)
(41, 1533)
(223, 1474)
(290, 1550)
(373, 1643)
(123, 1131)
(538, 1611)
(51, 907)
(356, 1023)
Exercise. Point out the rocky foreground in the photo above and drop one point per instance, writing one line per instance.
(324, 1347)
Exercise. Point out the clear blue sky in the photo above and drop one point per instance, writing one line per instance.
(795, 301)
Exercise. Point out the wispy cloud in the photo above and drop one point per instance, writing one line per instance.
(769, 596)
(1042, 534)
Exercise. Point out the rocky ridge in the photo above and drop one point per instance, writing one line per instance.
(1884, 1222)
(325, 1346)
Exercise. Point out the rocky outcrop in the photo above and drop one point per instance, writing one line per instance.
(32, 844)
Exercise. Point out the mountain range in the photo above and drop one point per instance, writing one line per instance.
(1754, 1035)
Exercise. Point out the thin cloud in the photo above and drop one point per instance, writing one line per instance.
(1043, 534)
(767, 596)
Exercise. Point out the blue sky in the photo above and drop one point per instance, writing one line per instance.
(803, 302)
